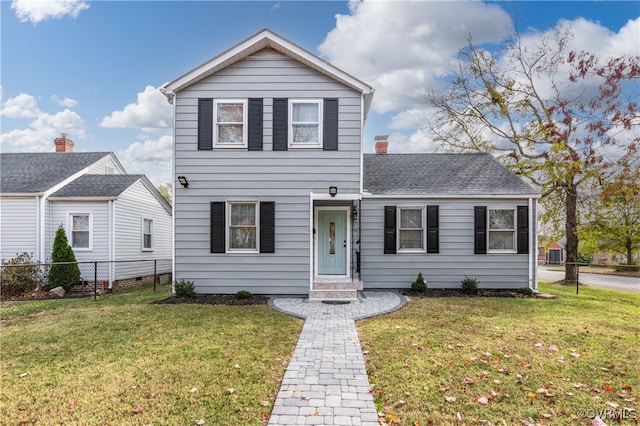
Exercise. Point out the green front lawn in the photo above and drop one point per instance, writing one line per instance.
(455, 361)
(125, 361)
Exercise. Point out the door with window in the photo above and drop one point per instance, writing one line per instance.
(332, 245)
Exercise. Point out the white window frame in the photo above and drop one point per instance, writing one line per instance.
(70, 216)
(513, 230)
(400, 229)
(145, 219)
(244, 123)
(228, 226)
(320, 104)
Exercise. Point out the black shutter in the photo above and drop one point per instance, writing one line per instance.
(280, 124)
(267, 227)
(205, 124)
(523, 230)
(433, 237)
(217, 227)
(255, 124)
(389, 229)
(330, 126)
(480, 230)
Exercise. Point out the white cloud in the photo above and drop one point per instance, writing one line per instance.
(21, 106)
(152, 112)
(42, 131)
(40, 10)
(402, 48)
(151, 158)
(65, 102)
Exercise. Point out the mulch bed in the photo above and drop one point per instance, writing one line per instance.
(454, 292)
(215, 299)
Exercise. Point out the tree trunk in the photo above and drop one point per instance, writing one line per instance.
(571, 229)
(629, 247)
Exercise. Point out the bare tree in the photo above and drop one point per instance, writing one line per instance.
(560, 119)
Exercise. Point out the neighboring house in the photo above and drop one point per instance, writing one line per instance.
(108, 215)
(275, 196)
(556, 253)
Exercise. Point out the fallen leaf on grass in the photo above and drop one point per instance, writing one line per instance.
(74, 402)
(200, 422)
(469, 380)
(450, 398)
(138, 409)
(230, 390)
(575, 354)
(264, 403)
(484, 400)
(532, 395)
(21, 375)
(192, 390)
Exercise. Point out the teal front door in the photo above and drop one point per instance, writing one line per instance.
(332, 242)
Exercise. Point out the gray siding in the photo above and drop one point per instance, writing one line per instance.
(132, 206)
(19, 227)
(285, 177)
(456, 257)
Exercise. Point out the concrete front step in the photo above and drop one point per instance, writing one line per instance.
(334, 295)
(337, 285)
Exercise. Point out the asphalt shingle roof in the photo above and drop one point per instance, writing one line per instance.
(440, 174)
(97, 186)
(36, 172)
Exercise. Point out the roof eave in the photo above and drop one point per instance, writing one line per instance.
(449, 196)
(83, 198)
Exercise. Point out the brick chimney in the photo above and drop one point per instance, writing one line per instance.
(63, 144)
(381, 144)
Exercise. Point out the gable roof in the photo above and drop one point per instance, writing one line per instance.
(261, 40)
(108, 186)
(27, 173)
(439, 174)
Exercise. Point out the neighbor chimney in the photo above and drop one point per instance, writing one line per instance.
(63, 144)
(381, 144)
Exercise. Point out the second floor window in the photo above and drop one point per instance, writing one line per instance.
(230, 118)
(305, 123)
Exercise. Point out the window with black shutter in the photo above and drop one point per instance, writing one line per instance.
(205, 124)
(390, 230)
(433, 229)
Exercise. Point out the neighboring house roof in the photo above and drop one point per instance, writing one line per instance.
(105, 187)
(261, 40)
(437, 174)
(87, 186)
(26, 173)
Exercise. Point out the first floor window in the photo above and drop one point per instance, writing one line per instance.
(230, 118)
(80, 230)
(305, 121)
(411, 229)
(502, 229)
(147, 232)
(243, 220)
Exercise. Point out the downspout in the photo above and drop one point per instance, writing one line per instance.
(311, 242)
(534, 234)
(531, 243)
(41, 231)
(361, 143)
(112, 242)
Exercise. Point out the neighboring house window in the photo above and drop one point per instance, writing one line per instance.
(243, 225)
(147, 234)
(80, 224)
(502, 230)
(305, 123)
(411, 229)
(230, 119)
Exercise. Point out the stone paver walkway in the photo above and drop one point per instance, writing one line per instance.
(326, 381)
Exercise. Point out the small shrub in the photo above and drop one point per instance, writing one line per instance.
(626, 268)
(21, 275)
(469, 285)
(67, 273)
(243, 294)
(184, 288)
(419, 284)
(526, 291)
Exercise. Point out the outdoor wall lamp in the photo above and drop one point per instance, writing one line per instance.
(333, 190)
(183, 181)
(354, 213)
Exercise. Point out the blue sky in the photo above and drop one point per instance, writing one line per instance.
(92, 69)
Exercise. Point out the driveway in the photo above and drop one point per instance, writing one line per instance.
(613, 282)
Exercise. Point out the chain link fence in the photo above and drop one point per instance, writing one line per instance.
(39, 281)
(621, 282)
